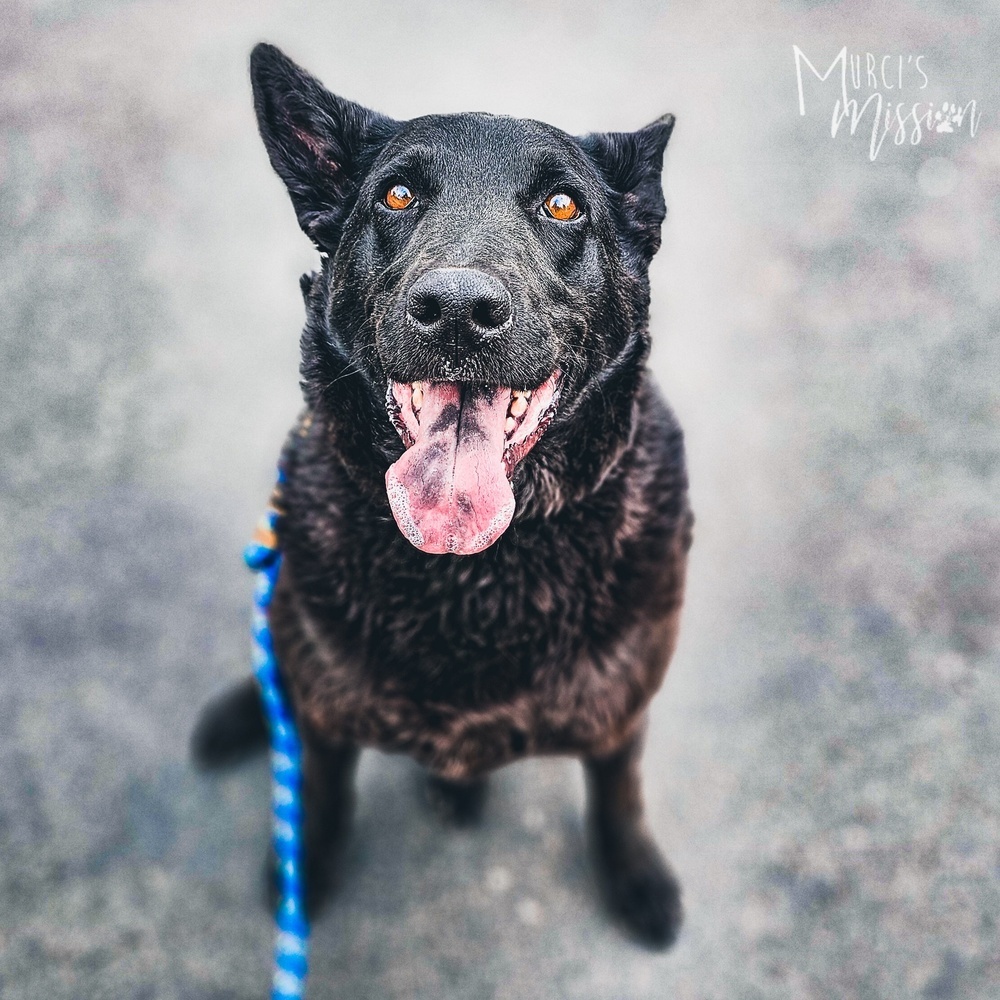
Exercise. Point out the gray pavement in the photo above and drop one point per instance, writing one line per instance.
(823, 760)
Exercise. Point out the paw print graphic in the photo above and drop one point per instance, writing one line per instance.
(944, 118)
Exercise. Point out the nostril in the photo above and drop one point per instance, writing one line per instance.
(491, 313)
(425, 309)
(482, 314)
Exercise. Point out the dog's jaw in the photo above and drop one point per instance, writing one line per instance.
(529, 413)
(451, 490)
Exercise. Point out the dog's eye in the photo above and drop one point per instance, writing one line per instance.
(398, 197)
(561, 207)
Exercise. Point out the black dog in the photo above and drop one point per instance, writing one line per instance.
(486, 522)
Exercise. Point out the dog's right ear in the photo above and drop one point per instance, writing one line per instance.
(631, 163)
(318, 143)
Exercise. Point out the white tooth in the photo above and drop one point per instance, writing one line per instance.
(518, 406)
(417, 397)
(509, 425)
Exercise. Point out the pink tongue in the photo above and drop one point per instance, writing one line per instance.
(449, 491)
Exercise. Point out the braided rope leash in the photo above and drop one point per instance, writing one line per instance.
(263, 556)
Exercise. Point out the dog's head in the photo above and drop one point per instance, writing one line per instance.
(483, 296)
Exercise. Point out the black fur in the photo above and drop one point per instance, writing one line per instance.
(553, 639)
(231, 728)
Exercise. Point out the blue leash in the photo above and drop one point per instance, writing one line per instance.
(263, 556)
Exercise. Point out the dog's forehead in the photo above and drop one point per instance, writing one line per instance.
(482, 147)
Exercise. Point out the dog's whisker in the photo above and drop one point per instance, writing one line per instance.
(346, 373)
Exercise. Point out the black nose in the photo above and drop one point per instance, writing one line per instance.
(459, 302)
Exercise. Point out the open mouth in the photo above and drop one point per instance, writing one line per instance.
(450, 491)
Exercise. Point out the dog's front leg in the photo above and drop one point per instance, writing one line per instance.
(636, 880)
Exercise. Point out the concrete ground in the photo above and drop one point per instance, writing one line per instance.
(823, 760)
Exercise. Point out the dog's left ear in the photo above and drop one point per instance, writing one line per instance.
(631, 164)
(318, 143)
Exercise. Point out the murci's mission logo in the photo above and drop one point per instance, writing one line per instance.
(871, 99)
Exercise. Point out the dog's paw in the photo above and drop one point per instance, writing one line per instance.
(640, 888)
(231, 728)
(457, 803)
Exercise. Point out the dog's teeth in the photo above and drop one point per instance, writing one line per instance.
(509, 425)
(519, 405)
(417, 397)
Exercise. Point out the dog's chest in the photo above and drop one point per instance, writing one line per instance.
(574, 710)
(466, 670)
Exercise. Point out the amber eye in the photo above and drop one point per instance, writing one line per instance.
(398, 196)
(561, 207)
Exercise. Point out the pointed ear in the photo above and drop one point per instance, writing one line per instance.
(631, 164)
(318, 143)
